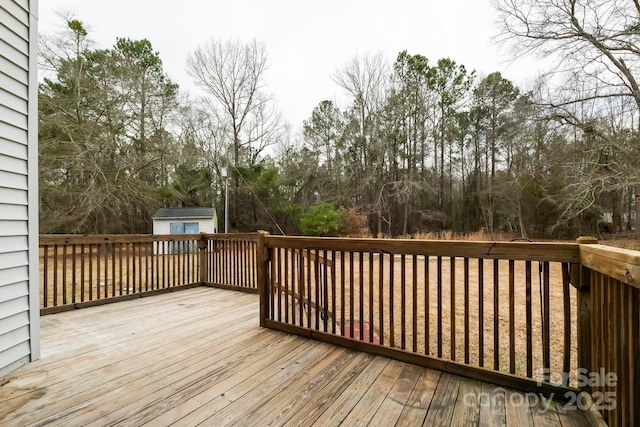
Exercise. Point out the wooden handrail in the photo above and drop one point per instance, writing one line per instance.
(620, 264)
(69, 239)
(555, 252)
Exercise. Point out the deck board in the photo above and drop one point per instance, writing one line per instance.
(416, 409)
(199, 357)
(394, 403)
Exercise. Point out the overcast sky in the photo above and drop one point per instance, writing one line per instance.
(307, 40)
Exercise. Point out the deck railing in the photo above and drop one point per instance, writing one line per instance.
(555, 319)
(610, 342)
(524, 315)
(478, 309)
(79, 271)
(231, 261)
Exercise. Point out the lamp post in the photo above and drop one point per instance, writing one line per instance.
(226, 199)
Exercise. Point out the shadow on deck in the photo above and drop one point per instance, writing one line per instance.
(199, 356)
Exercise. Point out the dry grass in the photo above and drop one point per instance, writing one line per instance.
(624, 242)
(477, 236)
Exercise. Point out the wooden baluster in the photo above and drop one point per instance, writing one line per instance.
(45, 277)
(566, 363)
(403, 302)
(466, 310)
(371, 295)
(480, 312)
(452, 310)
(427, 303)
(392, 285)
(55, 275)
(301, 285)
(91, 284)
(277, 253)
(308, 288)
(381, 309)
(414, 300)
(333, 291)
(439, 287)
(292, 253)
(287, 290)
(351, 295)
(113, 271)
(64, 274)
(361, 294)
(74, 277)
(529, 319)
(546, 324)
(496, 315)
(120, 270)
(82, 272)
(273, 281)
(512, 318)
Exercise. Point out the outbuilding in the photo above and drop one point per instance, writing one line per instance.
(183, 221)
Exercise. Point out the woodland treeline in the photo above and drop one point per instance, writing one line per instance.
(420, 144)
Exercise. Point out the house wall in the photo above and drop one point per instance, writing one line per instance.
(19, 305)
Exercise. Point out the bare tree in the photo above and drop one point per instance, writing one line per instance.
(596, 45)
(233, 74)
(366, 79)
(596, 40)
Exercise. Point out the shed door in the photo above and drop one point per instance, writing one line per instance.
(176, 228)
(183, 228)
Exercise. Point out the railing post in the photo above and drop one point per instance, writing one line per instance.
(263, 278)
(582, 279)
(203, 245)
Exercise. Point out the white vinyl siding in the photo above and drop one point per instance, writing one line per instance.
(13, 180)
(12, 323)
(14, 228)
(19, 305)
(14, 212)
(13, 155)
(11, 292)
(20, 9)
(18, 275)
(10, 86)
(163, 226)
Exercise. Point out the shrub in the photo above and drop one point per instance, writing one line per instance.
(321, 220)
(353, 223)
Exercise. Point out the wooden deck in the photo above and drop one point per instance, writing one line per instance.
(199, 357)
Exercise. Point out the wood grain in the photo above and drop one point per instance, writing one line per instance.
(199, 357)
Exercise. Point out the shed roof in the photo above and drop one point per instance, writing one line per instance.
(179, 213)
